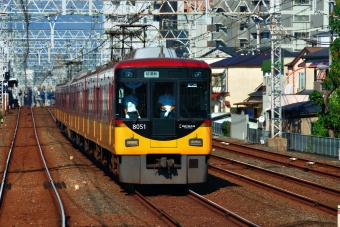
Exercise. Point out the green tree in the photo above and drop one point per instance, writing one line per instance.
(329, 120)
(326, 121)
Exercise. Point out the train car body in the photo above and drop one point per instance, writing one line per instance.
(149, 148)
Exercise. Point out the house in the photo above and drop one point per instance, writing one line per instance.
(251, 105)
(295, 79)
(301, 78)
(239, 75)
(298, 117)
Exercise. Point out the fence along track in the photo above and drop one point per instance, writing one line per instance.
(323, 169)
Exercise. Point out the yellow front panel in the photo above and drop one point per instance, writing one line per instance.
(163, 144)
(147, 146)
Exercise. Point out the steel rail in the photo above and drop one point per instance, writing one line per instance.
(286, 193)
(236, 219)
(303, 168)
(279, 175)
(60, 203)
(8, 159)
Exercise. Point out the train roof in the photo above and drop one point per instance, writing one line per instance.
(161, 62)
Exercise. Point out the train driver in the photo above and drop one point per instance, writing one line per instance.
(130, 105)
(167, 104)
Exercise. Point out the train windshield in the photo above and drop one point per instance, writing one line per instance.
(194, 100)
(131, 100)
(181, 100)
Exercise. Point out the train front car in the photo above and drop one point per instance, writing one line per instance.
(162, 138)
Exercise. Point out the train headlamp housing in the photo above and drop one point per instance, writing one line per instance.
(128, 74)
(132, 142)
(197, 142)
(198, 74)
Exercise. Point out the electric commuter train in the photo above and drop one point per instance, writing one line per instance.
(145, 147)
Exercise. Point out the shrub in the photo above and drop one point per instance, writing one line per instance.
(226, 128)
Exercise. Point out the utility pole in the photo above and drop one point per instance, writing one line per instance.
(276, 71)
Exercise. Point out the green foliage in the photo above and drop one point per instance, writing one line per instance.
(316, 97)
(329, 119)
(226, 128)
(328, 116)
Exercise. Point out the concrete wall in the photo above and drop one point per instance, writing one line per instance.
(238, 129)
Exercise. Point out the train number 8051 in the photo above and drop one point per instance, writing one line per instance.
(138, 126)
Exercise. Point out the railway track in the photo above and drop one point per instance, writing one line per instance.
(84, 206)
(27, 179)
(230, 218)
(179, 207)
(316, 196)
(319, 168)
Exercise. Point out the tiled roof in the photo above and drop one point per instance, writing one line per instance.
(242, 60)
(235, 51)
(301, 108)
(320, 54)
(304, 52)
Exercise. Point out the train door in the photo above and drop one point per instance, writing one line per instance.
(164, 110)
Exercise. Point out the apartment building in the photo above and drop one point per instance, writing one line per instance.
(300, 20)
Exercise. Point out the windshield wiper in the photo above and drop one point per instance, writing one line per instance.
(187, 112)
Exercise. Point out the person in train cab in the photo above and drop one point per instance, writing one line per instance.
(130, 105)
(167, 104)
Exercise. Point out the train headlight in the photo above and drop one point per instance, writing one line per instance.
(131, 142)
(196, 142)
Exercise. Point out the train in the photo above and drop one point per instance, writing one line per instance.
(145, 145)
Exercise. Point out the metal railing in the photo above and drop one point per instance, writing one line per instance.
(313, 144)
(305, 143)
(217, 129)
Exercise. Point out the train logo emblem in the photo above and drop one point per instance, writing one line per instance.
(186, 126)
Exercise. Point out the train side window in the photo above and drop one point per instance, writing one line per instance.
(105, 108)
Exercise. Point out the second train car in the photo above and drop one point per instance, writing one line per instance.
(141, 139)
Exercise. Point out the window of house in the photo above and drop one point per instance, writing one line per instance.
(302, 81)
(243, 9)
(265, 35)
(243, 44)
(243, 26)
(298, 2)
(218, 81)
(301, 18)
(301, 34)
